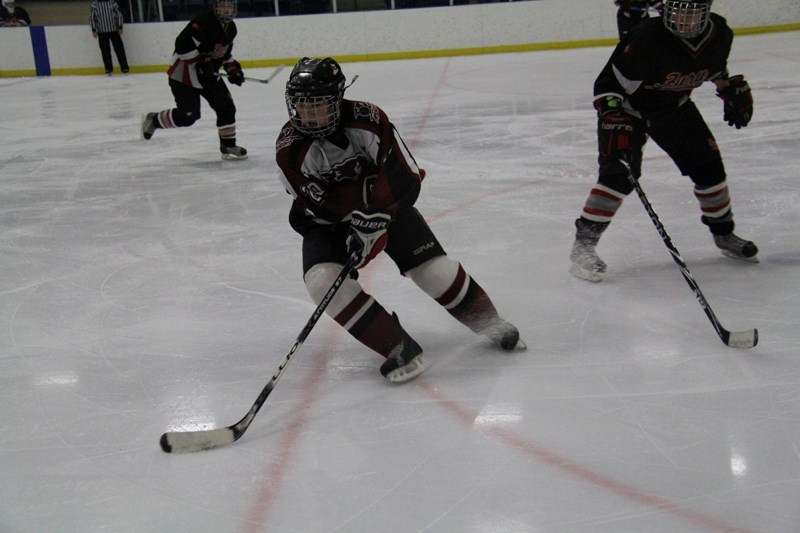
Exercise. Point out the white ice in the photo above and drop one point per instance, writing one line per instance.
(150, 286)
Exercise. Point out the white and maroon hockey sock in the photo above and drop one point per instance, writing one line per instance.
(355, 310)
(446, 281)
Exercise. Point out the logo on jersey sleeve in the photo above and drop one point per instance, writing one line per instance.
(313, 191)
(367, 111)
(286, 138)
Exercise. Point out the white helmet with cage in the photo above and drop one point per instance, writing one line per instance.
(687, 19)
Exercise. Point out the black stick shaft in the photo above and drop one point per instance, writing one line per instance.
(723, 333)
(240, 427)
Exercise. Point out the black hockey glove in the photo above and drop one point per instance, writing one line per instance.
(367, 235)
(738, 102)
(616, 129)
(234, 71)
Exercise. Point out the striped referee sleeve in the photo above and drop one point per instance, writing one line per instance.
(105, 16)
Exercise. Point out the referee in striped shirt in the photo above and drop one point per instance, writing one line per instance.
(105, 19)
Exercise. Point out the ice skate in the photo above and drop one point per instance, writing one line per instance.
(505, 335)
(406, 361)
(736, 247)
(148, 125)
(585, 262)
(232, 152)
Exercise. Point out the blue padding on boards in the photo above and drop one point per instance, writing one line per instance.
(40, 55)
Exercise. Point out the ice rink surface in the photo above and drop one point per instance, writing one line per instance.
(150, 286)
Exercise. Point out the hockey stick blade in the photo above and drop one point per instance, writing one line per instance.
(735, 339)
(271, 76)
(741, 339)
(196, 441)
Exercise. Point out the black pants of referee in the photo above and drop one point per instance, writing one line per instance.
(106, 40)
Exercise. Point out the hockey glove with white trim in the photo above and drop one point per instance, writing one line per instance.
(367, 235)
(616, 129)
(738, 102)
(234, 71)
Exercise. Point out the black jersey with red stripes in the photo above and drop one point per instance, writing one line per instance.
(204, 39)
(363, 165)
(654, 70)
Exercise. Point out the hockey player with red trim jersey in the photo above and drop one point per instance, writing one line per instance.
(354, 185)
(204, 45)
(645, 91)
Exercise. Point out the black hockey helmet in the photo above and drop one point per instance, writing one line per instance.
(687, 19)
(314, 96)
(225, 10)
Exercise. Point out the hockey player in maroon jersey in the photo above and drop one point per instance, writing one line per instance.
(204, 45)
(632, 12)
(644, 91)
(354, 185)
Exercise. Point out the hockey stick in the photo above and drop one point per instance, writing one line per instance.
(195, 441)
(734, 339)
(271, 76)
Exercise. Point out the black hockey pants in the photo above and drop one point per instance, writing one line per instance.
(187, 100)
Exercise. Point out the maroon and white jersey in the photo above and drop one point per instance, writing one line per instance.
(365, 165)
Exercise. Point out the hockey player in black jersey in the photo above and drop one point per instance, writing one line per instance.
(354, 185)
(632, 12)
(644, 91)
(204, 45)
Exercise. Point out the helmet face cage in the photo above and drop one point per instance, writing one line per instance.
(225, 10)
(314, 96)
(686, 19)
(315, 116)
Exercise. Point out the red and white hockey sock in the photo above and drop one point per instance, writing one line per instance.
(602, 204)
(164, 119)
(227, 135)
(715, 203)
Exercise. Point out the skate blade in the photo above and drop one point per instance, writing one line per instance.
(520, 347)
(589, 275)
(142, 135)
(233, 157)
(413, 369)
(732, 255)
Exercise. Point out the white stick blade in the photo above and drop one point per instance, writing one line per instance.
(743, 339)
(195, 441)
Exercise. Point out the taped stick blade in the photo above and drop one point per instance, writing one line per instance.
(195, 441)
(742, 339)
